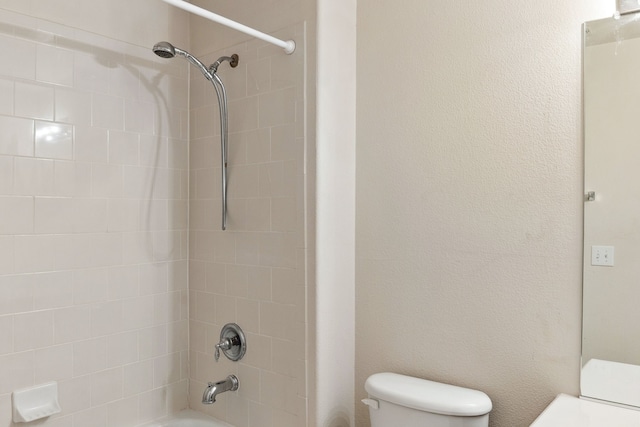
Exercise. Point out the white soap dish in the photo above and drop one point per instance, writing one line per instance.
(33, 403)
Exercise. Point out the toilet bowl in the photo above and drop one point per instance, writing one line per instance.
(401, 401)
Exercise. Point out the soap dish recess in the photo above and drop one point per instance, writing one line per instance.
(33, 403)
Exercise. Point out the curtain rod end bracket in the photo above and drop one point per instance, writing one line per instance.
(290, 47)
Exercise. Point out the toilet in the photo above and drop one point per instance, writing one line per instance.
(401, 401)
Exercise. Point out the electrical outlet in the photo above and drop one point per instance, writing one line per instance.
(602, 255)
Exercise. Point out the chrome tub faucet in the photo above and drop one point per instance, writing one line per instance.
(213, 389)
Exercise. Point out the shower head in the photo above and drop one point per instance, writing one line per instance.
(167, 50)
(164, 50)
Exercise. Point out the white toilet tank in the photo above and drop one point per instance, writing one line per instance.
(401, 401)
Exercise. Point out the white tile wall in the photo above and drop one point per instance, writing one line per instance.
(93, 225)
(253, 273)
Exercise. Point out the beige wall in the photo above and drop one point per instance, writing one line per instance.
(93, 230)
(469, 205)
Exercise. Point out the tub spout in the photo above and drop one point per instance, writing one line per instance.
(214, 389)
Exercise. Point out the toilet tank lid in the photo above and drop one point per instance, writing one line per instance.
(429, 396)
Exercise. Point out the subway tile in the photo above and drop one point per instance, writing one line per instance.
(138, 377)
(123, 215)
(72, 106)
(74, 396)
(124, 147)
(33, 330)
(53, 140)
(6, 175)
(89, 216)
(7, 255)
(152, 342)
(106, 386)
(259, 213)
(138, 116)
(54, 65)
(248, 314)
(258, 76)
(17, 371)
(123, 412)
(88, 73)
(225, 309)
(91, 144)
(152, 405)
(238, 281)
(277, 107)
(177, 336)
(243, 114)
(6, 334)
(33, 177)
(166, 369)
(178, 154)
(17, 136)
(167, 245)
(283, 143)
(278, 250)
(23, 58)
(33, 101)
(124, 282)
(137, 247)
(94, 417)
(53, 215)
(17, 217)
(248, 246)
(122, 349)
(204, 122)
(258, 145)
(276, 320)
(137, 313)
(72, 178)
(83, 251)
(123, 82)
(153, 278)
(6, 97)
(284, 214)
(153, 151)
(16, 294)
(72, 324)
(89, 356)
(52, 290)
(90, 286)
(260, 283)
(106, 318)
(34, 254)
(107, 181)
(53, 363)
(107, 112)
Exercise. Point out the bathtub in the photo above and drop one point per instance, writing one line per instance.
(189, 418)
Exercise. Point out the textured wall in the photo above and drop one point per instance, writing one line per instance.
(469, 205)
(93, 224)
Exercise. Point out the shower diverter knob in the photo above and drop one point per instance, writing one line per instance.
(232, 343)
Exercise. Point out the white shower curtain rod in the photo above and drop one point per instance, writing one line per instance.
(289, 45)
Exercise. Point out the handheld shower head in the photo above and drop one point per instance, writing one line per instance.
(164, 50)
(168, 51)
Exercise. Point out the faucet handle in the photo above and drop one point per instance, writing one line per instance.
(232, 343)
(223, 345)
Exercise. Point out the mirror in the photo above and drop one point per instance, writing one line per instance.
(611, 275)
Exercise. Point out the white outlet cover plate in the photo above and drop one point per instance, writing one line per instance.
(602, 255)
